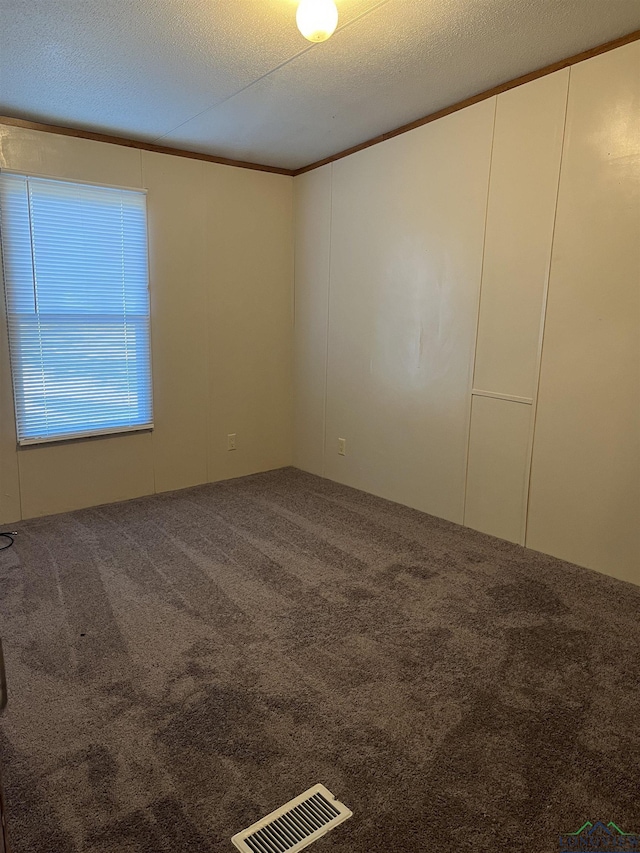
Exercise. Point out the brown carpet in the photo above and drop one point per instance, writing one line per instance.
(180, 665)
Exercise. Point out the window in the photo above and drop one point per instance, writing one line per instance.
(76, 286)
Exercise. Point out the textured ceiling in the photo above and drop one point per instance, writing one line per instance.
(234, 78)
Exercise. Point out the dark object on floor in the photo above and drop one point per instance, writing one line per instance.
(7, 535)
(251, 637)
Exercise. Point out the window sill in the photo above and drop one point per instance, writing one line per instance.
(58, 439)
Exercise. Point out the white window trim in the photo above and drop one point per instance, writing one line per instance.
(108, 431)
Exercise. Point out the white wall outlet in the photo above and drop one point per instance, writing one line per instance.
(231, 441)
(342, 447)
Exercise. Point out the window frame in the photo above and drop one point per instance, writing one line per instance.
(90, 433)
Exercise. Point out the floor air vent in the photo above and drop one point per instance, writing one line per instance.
(295, 825)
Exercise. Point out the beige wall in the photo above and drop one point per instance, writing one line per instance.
(585, 486)
(525, 165)
(472, 328)
(406, 261)
(221, 268)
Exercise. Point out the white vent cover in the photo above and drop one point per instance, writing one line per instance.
(295, 825)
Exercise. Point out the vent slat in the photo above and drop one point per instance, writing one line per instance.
(263, 837)
(310, 807)
(295, 831)
(282, 828)
(282, 838)
(313, 819)
(253, 845)
(315, 811)
(319, 813)
(301, 827)
(326, 805)
(263, 843)
(301, 816)
(276, 843)
(294, 826)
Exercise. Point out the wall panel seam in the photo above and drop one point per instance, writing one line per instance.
(209, 194)
(326, 354)
(472, 366)
(294, 324)
(543, 319)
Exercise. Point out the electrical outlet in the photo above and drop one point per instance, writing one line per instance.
(342, 447)
(231, 441)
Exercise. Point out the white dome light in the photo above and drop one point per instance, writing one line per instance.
(317, 19)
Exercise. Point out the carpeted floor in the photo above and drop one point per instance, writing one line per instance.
(180, 665)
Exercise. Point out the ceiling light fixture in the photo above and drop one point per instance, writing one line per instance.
(317, 19)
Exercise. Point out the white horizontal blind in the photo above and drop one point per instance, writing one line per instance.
(76, 283)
